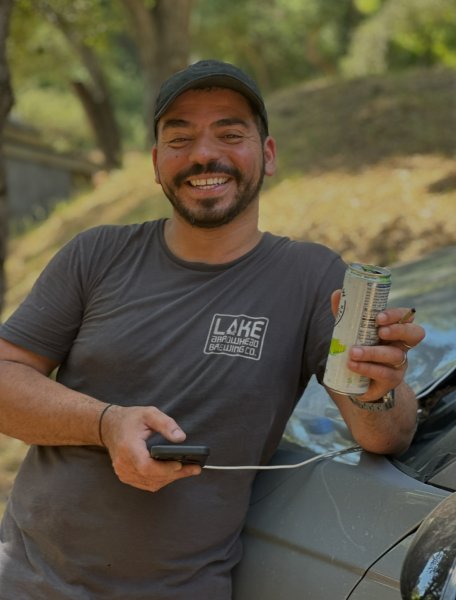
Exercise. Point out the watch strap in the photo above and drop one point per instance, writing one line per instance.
(385, 403)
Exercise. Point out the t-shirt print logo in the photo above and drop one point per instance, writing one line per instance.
(236, 335)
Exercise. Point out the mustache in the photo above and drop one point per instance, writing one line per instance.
(210, 167)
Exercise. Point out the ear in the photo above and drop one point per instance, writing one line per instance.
(154, 161)
(269, 152)
(335, 300)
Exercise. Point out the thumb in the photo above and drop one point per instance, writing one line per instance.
(161, 423)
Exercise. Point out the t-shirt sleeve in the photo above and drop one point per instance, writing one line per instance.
(322, 320)
(48, 320)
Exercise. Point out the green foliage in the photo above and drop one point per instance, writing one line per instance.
(37, 53)
(281, 41)
(404, 33)
(57, 115)
(38, 49)
(43, 64)
(367, 7)
(127, 94)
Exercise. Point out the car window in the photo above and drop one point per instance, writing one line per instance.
(434, 446)
(316, 425)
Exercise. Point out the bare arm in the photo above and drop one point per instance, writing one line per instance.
(385, 432)
(390, 431)
(38, 410)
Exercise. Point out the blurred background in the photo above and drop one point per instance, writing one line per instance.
(362, 102)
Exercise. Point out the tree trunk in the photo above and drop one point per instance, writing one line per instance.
(162, 36)
(96, 98)
(100, 115)
(6, 102)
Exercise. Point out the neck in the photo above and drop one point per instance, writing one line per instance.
(211, 246)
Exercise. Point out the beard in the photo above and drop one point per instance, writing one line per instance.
(208, 214)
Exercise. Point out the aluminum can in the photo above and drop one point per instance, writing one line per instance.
(364, 294)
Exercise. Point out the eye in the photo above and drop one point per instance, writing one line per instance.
(232, 137)
(178, 141)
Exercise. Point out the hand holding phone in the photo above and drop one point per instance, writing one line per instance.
(185, 454)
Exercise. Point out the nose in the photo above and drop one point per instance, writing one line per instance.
(204, 148)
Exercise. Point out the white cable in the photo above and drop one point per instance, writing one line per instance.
(331, 454)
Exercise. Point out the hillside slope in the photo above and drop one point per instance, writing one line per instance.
(365, 166)
(350, 125)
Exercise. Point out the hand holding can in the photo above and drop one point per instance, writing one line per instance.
(364, 294)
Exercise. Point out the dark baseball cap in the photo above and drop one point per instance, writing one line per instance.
(208, 73)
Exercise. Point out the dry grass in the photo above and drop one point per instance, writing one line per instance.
(396, 210)
(367, 167)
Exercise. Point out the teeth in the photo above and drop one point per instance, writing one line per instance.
(208, 182)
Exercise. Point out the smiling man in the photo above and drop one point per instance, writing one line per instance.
(226, 158)
(198, 327)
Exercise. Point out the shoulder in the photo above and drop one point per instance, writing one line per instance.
(96, 248)
(309, 253)
(110, 240)
(113, 234)
(311, 264)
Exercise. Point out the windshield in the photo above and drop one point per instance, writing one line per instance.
(434, 444)
(316, 424)
(429, 285)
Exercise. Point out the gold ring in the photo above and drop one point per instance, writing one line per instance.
(406, 346)
(403, 361)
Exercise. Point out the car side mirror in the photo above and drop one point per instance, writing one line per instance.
(429, 569)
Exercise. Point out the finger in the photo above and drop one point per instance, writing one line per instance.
(408, 334)
(387, 355)
(398, 315)
(173, 471)
(170, 470)
(383, 377)
(154, 484)
(335, 300)
(402, 363)
(405, 346)
(158, 421)
(152, 474)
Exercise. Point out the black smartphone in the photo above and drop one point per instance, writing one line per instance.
(187, 455)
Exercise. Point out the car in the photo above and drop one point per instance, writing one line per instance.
(350, 525)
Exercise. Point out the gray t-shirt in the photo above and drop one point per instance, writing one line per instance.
(226, 350)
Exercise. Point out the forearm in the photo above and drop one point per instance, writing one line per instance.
(387, 431)
(38, 410)
(382, 432)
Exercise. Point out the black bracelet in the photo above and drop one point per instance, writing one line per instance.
(100, 422)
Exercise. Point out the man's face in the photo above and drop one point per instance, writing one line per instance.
(209, 158)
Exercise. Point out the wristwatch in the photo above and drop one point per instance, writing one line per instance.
(385, 403)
